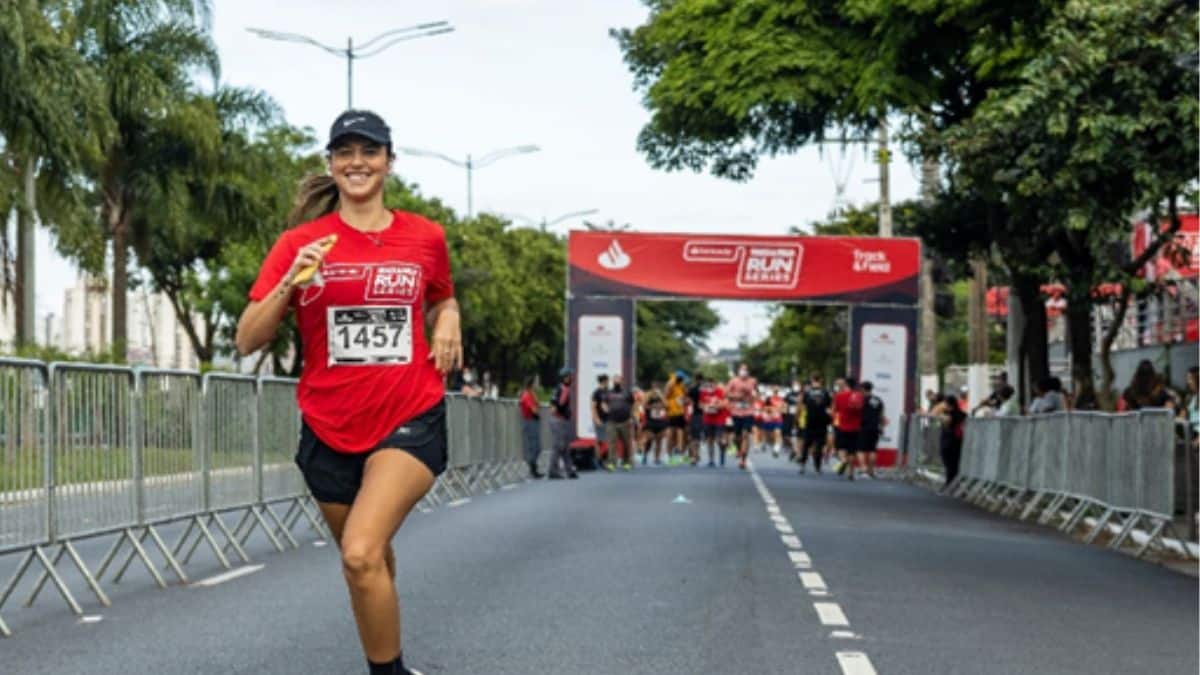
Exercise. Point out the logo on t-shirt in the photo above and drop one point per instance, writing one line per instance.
(394, 282)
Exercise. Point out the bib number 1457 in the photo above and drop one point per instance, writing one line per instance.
(369, 335)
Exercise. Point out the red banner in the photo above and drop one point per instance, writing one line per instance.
(809, 269)
(1181, 256)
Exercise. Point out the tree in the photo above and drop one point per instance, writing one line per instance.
(51, 124)
(669, 334)
(145, 52)
(1100, 124)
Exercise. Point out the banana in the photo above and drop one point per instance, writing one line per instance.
(306, 273)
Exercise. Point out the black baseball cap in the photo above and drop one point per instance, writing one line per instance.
(362, 123)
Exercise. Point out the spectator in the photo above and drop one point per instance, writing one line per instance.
(1192, 407)
(1009, 406)
(600, 414)
(531, 430)
(932, 398)
(953, 419)
(619, 404)
(1049, 397)
(1146, 389)
(466, 385)
(560, 428)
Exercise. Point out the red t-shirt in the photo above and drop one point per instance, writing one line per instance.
(847, 410)
(711, 402)
(378, 374)
(529, 404)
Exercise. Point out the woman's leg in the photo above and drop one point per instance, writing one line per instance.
(393, 482)
(335, 517)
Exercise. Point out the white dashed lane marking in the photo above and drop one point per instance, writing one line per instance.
(228, 576)
(831, 614)
(855, 663)
(812, 581)
(800, 559)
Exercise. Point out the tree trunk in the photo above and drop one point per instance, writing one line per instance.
(202, 348)
(25, 309)
(119, 229)
(1079, 336)
(1033, 339)
(1106, 395)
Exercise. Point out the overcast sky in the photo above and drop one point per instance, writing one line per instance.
(515, 72)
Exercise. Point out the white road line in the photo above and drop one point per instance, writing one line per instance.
(784, 528)
(818, 593)
(855, 663)
(510, 486)
(845, 635)
(459, 502)
(319, 543)
(227, 576)
(812, 580)
(778, 518)
(772, 508)
(800, 559)
(791, 541)
(91, 618)
(831, 614)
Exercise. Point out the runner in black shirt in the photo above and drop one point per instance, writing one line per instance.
(696, 421)
(817, 401)
(791, 411)
(600, 414)
(873, 421)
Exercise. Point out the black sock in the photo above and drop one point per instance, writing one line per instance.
(393, 667)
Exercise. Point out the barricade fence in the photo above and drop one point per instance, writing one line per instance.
(99, 450)
(1111, 473)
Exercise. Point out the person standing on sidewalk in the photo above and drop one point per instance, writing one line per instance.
(531, 426)
(619, 404)
(377, 345)
(560, 429)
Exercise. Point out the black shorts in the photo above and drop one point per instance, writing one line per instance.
(868, 440)
(789, 425)
(334, 476)
(742, 424)
(845, 440)
(816, 434)
(713, 431)
(656, 426)
(696, 426)
(677, 422)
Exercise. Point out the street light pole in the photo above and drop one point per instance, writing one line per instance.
(471, 164)
(364, 50)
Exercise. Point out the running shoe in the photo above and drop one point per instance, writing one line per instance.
(742, 465)
(801, 469)
(712, 464)
(627, 466)
(608, 466)
(775, 451)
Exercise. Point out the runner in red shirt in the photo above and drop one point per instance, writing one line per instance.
(715, 412)
(773, 408)
(847, 420)
(373, 437)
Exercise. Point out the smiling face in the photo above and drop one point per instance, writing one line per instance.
(359, 167)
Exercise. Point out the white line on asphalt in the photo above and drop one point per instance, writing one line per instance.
(784, 528)
(812, 580)
(319, 543)
(510, 486)
(855, 663)
(91, 618)
(778, 518)
(791, 541)
(459, 502)
(845, 635)
(800, 559)
(818, 593)
(227, 576)
(831, 614)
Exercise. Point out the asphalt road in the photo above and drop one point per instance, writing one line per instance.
(615, 574)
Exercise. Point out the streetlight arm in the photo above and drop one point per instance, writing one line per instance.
(418, 152)
(403, 38)
(573, 214)
(407, 29)
(295, 37)
(496, 155)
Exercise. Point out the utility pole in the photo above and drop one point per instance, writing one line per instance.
(885, 199)
(927, 364)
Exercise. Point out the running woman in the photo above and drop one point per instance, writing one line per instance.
(741, 395)
(656, 424)
(714, 411)
(773, 408)
(817, 402)
(847, 422)
(695, 419)
(873, 422)
(371, 391)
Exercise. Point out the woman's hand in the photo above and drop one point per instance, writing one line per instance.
(309, 257)
(445, 347)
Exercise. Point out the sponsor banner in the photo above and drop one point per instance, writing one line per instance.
(883, 351)
(600, 341)
(812, 269)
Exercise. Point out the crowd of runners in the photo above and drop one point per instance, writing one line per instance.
(686, 420)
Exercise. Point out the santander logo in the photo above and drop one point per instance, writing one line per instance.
(613, 258)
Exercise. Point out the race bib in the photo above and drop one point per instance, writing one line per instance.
(360, 336)
(658, 414)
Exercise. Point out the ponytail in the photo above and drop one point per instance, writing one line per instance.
(317, 196)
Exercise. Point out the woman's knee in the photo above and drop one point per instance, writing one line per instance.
(362, 558)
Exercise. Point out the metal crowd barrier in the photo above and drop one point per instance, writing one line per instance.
(1064, 468)
(920, 447)
(98, 450)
